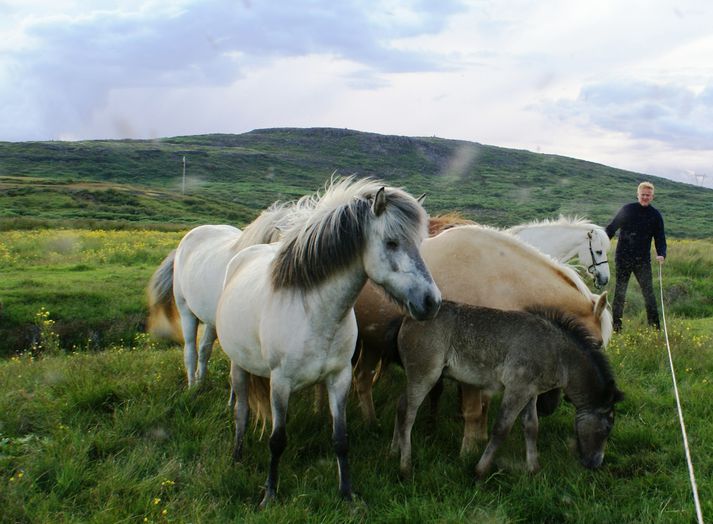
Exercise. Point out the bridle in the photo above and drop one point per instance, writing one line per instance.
(593, 266)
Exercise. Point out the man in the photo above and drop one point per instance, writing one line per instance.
(639, 222)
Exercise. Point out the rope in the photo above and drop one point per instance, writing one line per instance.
(694, 487)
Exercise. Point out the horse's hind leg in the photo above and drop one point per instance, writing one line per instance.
(189, 327)
(530, 427)
(239, 388)
(338, 391)
(475, 421)
(510, 407)
(279, 398)
(205, 349)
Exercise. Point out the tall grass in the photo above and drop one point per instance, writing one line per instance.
(115, 436)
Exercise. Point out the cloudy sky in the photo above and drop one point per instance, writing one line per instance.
(625, 83)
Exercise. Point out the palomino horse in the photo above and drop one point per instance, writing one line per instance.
(566, 238)
(189, 281)
(479, 266)
(522, 353)
(286, 313)
(562, 239)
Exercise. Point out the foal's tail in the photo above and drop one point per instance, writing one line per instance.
(163, 321)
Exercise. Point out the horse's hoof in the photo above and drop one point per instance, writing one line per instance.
(266, 501)
(406, 473)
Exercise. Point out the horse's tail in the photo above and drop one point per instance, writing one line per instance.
(259, 400)
(163, 321)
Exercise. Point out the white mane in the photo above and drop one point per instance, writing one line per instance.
(562, 220)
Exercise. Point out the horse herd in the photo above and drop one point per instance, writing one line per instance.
(330, 288)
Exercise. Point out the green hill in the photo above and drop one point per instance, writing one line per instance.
(230, 178)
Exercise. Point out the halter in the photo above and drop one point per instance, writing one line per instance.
(593, 266)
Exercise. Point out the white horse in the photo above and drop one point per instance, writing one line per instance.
(286, 312)
(184, 290)
(565, 238)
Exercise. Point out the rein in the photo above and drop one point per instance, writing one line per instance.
(594, 263)
(694, 487)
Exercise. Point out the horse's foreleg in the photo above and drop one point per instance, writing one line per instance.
(472, 407)
(279, 398)
(239, 388)
(205, 348)
(364, 372)
(530, 427)
(435, 396)
(338, 391)
(510, 408)
(189, 328)
(416, 391)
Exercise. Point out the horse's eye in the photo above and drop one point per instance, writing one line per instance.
(598, 252)
(393, 245)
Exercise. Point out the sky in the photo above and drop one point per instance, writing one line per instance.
(624, 83)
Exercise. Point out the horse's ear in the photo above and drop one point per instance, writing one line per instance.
(421, 199)
(379, 204)
(600, 305)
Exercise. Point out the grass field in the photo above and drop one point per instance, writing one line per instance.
(103, 429)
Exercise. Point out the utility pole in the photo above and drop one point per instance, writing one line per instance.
(183, 187)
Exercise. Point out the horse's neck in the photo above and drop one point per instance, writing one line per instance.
(582, 382)
(332, 300)
(561, 243)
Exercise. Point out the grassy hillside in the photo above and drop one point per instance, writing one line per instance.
(230, 178)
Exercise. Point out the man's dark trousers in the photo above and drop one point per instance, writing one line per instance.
(642, 272)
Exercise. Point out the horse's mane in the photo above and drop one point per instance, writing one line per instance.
(329, 231)
(582, 338)
(562, 220)
(439, 223)
(269, 225)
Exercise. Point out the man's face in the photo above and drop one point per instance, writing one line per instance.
(645, 196)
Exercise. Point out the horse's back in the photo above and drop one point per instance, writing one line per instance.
(485, 267)
(201, 259)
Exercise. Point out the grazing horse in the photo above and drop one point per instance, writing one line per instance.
(286, 311)
(524, 353)
(479, 266)
(184, 290)
(566, 238)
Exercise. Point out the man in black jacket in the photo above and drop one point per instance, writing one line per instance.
(639, 223)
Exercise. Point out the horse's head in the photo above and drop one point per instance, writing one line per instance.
(391, 253)
(592, 428)
(593, 254)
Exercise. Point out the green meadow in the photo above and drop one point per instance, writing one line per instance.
(96, 424)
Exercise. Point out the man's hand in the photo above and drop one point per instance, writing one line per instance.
(660, 259)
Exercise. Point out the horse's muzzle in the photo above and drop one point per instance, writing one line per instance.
(594, 461)
(427, 309)
(601, 281)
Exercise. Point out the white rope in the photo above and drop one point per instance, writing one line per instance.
(694, 487)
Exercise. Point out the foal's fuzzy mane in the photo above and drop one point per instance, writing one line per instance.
(582, 338)
(329, 231)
